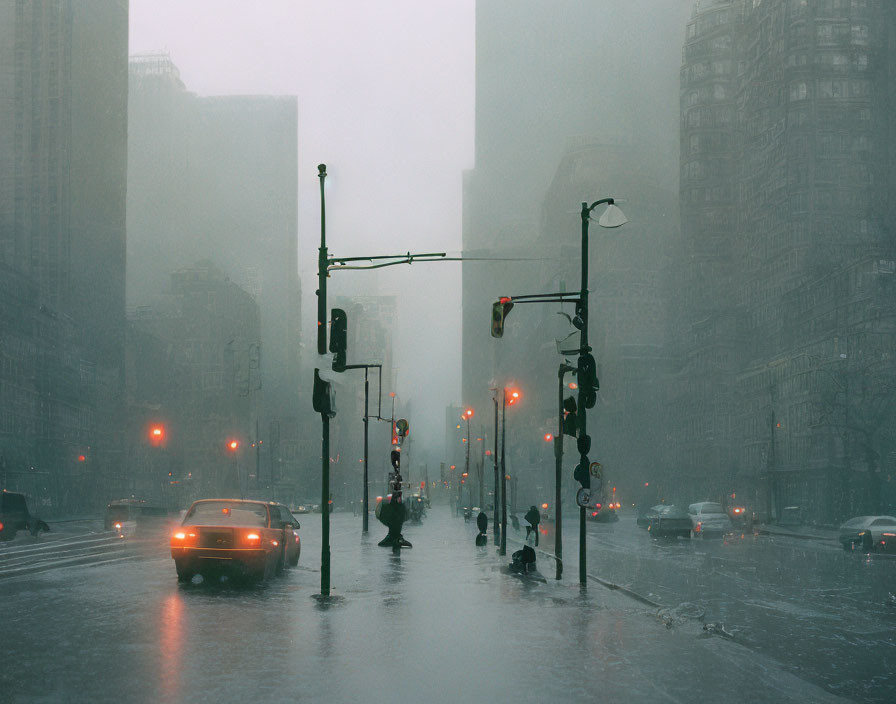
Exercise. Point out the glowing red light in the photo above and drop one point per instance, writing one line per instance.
(81, 458)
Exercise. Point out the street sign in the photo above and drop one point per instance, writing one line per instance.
(583, 497)
(596, 469)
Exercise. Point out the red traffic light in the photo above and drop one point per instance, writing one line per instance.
(232, 445)
(469, 413)
(548, 437)
(82, 458)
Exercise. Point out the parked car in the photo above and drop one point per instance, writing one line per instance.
(869, 533)
(14, 516)
(254, 539)
(708, 519)
(643, 519)
(669, 521)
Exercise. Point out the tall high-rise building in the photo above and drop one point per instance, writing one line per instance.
(63, 160)
(216, 178)
(547, 73)
(786, 255)
(575, 100)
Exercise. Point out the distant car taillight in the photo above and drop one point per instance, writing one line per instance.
(698, 527)
(1, 525)
(117, 526)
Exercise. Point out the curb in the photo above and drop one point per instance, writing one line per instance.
(801, 536)
(612, 586)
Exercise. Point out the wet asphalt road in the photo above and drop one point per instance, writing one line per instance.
(446, 622)
(824, 613)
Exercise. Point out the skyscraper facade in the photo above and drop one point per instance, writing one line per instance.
(63, 160)
(786, 255)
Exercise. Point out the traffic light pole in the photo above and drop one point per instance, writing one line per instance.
(497, 528)
(503, 550)
(366, 494)
(366, 498)
(558, 473)
(322, 260)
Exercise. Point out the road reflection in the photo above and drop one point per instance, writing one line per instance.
(171, 642)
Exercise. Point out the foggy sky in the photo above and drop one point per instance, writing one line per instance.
(386, 100)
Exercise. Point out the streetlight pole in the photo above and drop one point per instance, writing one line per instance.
(608, 219)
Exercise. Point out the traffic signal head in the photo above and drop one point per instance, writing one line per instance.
(396, 459)
(588, 383)
(581, 475)
(570, 417)
(323, 398)
(500, 309)
(512, 396)
(339, 338)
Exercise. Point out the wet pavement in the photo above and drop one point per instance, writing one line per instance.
(444, 621)
(827, 615)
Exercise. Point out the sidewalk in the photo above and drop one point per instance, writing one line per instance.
(472, 630)
(802, 532)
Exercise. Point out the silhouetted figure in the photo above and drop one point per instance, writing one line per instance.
(534, 517)
(524, 560)
(393, 515)
(482, 524)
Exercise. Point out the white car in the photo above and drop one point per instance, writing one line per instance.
(708, 518)
(869, 532)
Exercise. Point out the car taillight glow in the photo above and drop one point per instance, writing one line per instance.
(1, 525)
(698, 527)
(118, 526)
(253, 536)
(274, 543)
(297, 538)
(180, 536)
(593, 513)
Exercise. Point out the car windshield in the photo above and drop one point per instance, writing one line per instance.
(711, 508)
(223, 513)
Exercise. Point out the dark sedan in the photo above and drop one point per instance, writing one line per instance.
(643, 519)
(669, 521)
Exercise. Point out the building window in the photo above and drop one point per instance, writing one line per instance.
(799, 91)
